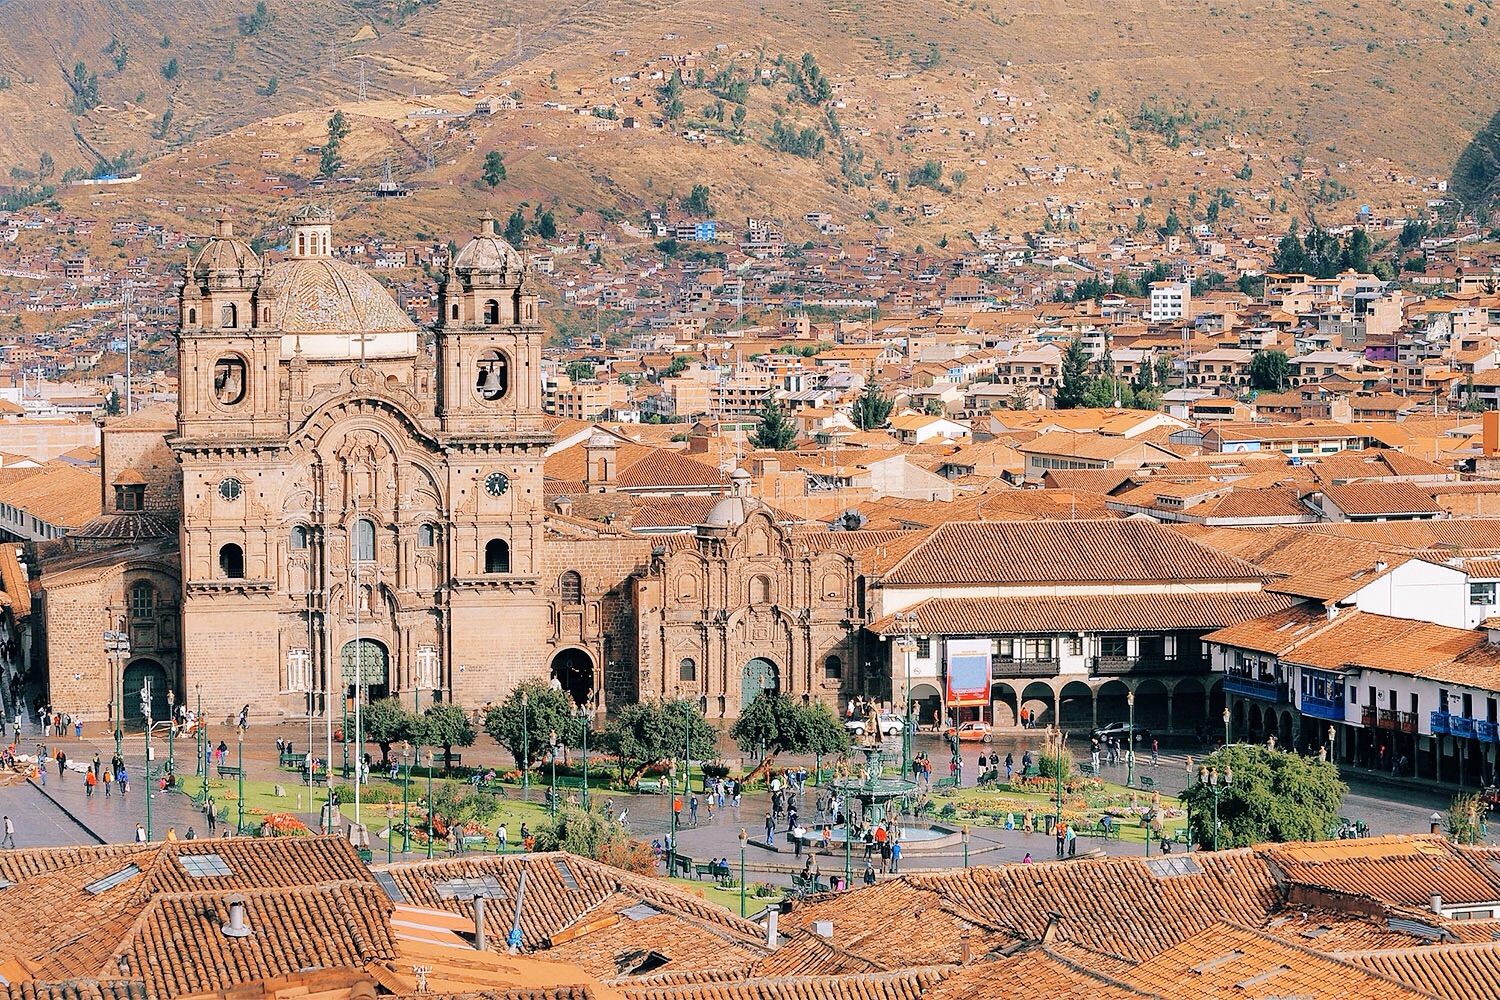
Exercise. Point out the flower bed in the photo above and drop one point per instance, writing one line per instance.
(285, 825)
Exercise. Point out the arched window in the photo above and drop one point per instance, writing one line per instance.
(265, 315)
(572, 588)
(142, 602)
(687, 670)
(364, 540)
(231, 562)
(426, 536)
(760, 590)
(492, 313)
(491, 375)
(455, 310)
(230, 316)
(298, 537)
(496, 556)
(833, 669)
(192, 317)
(301, 244)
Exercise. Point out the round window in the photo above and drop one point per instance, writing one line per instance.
(230, 489)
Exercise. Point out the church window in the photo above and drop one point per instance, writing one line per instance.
(192, 317)
(299, 536)
(528, 310)
(230, 316)
(364, 540)
(687, 670)
(492, 313)
(426, 536)
(760, 590)
(496, 556)
(572, 588)
(142, 602)
(231, 562)
(130, 497)
(265, 315)
(229, 379)
(455, 310)
(491, 376)
(833, 668)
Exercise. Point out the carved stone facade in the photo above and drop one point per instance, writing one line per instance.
(746, 605)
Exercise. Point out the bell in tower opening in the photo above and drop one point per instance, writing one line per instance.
(492, 376)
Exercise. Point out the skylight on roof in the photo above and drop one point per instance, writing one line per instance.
(110, 881)
(392, 890)
(204, 865)
(566, 874)
(641, 911)
(1172, 865)
(467, 888)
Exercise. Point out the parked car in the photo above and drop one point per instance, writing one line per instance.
(1119, 730)
(889, 723)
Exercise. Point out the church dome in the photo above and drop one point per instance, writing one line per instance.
(130, 527)
(225, 261)
(731, 511)
(488, 260)
(336, 309)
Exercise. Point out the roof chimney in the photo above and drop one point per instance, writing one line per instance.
(1381, 566)
(236, 928)
(823, 928)
(479, 923)
(1437, 903)
(771, 915)
(964, 953)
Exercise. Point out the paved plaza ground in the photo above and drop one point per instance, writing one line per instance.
(60, 812)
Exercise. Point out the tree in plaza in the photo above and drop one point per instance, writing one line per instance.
(775, 431)
(872, 409)
(386, 723)
(1075, 378)
(456, 804)
(590, 834)
(547, 711)
(443, 725)
(1269, 370)
(778, 724)
(1272, 795)
(1463, 818)
(493, 171)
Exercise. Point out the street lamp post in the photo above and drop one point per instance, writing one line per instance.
(584, 719)
(672, 817)
(964, 833)
(171, 729)
(1130, 743)
(117, 647)
(202, 745)
(146, 714)
(743, 838)
(405, 798)
(346, 734)
(907, 622)
(1331, 735)
(552, 804)
(1226, 725)
(1210, 778)
(429, 803)
(390, 830)
(848, 856)
(239, 738)
(525, 749)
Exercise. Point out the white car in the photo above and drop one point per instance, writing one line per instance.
(890, 725)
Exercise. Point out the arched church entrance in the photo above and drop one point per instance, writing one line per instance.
(372, 676)
(760, 675)
(137, 674)
(573, 669)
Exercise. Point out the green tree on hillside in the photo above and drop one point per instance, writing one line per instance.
(1269, 370)
(332, 161)
(515, 228)
(697, 203)
(493, 171)
(1264, 795)
(775, 431)
(872, 409)
(1075, 363)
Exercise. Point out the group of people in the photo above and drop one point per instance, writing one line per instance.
(113, 776)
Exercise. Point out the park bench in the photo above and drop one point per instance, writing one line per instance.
(569, 782)
(1087, 767)
(229, 771)
(292, 761)
(948, 782)
(1100, 831)
(474, 842)
(453, 763)
(1148, 783)
(807, 883)
(650, 786)
(713, 871)
(685, 865)
(1031, 772)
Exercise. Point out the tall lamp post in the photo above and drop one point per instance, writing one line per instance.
(117, 647)
(406, 798)
(1331, 735)
(744, 837)
(1130, 743)
(552, 795)
(146, 715)
(672, 817)
(171, 729)
(239, 739)
(907, 622)
(583, 720)
(429, 803)
(525, 749)
(964, 833)
(1226, 725)
(202, 744)
(1210, 778)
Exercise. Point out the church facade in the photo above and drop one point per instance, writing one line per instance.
(345, 505)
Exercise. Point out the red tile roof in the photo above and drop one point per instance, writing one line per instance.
(1121, 613)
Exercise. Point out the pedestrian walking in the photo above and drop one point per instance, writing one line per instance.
(1072, 839)
(9, 840)
(89, 781)
(211, 814)
(109, 779)
(693, 808)
(1060, 830)
(1155, 756)
(62, 761)
(895, 857)
(140, 834)
(770, 830)
(500, 839)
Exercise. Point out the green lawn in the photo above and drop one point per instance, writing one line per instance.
(989, 807)
(728, 898)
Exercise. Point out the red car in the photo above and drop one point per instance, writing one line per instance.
(971, 732)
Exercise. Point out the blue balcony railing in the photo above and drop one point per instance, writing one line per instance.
(1323, 708)
(1486, 731)
(1251, 688)
(1460, 725)
(1439, 723)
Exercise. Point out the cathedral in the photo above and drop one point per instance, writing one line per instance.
(339, 508)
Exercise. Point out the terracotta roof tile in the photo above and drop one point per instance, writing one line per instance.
(1457, 971)
(1124, 612)
(908, 984)
(1370, 499)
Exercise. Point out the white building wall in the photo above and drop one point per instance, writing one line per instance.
(1422, 591)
